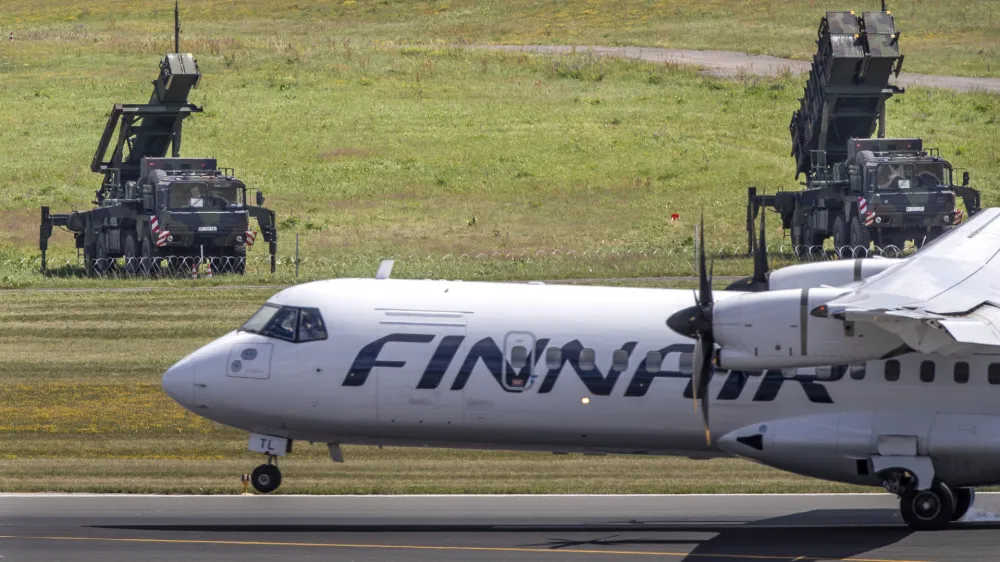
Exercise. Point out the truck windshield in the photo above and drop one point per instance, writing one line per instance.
(205, 195)
(921, 175)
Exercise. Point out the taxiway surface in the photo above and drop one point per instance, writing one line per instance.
(250, 528)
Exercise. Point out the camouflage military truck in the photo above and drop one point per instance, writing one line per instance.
(154, 211)
(859, 189)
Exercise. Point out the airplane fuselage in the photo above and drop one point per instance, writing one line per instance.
(567, 369)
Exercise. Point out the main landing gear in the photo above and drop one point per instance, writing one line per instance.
(931, 509)
(267, 477)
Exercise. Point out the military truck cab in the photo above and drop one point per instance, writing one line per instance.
(904, 192)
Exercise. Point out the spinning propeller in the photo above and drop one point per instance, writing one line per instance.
(761, 269)
(696, 322)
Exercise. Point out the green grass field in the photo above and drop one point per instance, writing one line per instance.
(81, 410)
(373, 135)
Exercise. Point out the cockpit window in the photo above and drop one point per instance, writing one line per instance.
(287, 323)
(260, 319)
(282, 326)
(311, 326)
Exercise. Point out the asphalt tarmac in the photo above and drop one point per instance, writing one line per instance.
(471, 528)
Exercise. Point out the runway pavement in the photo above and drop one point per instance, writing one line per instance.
(367, 528)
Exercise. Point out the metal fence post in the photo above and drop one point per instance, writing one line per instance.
(296, 255)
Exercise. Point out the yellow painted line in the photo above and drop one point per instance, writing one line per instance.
(453, 548)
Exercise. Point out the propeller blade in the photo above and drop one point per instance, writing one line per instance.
(696, 369)
(705, 377)
(704, 283)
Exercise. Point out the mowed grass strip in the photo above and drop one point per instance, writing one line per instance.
(115, 337)
(370, 470)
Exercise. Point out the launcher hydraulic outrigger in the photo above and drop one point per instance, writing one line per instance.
(150, 207)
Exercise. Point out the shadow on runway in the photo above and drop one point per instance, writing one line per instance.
(803, 537)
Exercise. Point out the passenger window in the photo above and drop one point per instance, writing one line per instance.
(619, 360)
(282, 325)
(587, 359)
(553, 357)
(858, 371)
(686, 363)
(961, 372)
(654, 360)
(994, 373)
(927, 371)
(892, 370)
(311, 326)
(518, 357)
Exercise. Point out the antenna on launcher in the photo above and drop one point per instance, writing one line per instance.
(177, 26)
(884, 7)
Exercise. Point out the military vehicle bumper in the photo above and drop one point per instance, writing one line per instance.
(911, 219)
(203, 230)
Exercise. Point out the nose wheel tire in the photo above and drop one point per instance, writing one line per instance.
(266, 478)
(964, 498)
(928, 510)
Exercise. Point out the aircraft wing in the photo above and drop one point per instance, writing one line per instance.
(944, 299)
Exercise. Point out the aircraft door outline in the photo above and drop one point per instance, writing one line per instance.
(518, 368)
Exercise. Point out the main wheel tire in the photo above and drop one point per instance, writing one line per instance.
(859, 234)
(964, 498)
(130, 249)
(928, 510)
(149, 264)
(842, 238)
(102, 263)
(238, 262)
(266, 478)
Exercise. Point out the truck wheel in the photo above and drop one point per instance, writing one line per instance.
(841, 234)
(239, 261)
(130, 248)
(859, 234)
(101, 262)
(149, 265)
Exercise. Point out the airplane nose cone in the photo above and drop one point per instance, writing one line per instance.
(178, 383)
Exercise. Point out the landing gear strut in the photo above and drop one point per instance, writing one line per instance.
(266, 478)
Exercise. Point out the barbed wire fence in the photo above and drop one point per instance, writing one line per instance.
(309, 266)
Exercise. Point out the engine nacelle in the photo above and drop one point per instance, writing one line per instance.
(774, 329)
(829, 273)
(850, 446)
(827, 446)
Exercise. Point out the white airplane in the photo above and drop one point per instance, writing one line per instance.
(872, 372)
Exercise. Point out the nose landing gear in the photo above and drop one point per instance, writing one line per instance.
(267, 477)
